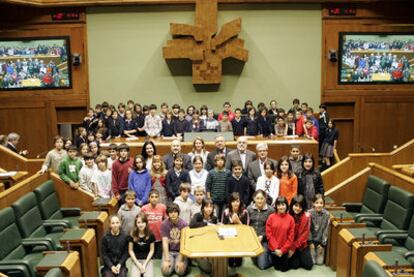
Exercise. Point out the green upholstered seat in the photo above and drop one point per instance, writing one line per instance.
(17, 256)
(54, 272)
(397, 213)
(374, 200)
(390, 257)
(373, 269)
(29, 220)
(49, 205)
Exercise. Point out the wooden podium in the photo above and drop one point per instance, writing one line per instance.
(84, 242)
(205, 243)
(67, 261)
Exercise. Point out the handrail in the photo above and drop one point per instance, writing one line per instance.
(357, 161)
(12, 161)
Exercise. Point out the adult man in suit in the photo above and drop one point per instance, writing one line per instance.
(175, 150)
(241, 154)
(256, 169)
(12, 141)
(220, 149)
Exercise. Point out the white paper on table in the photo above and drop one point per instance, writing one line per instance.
(8, 174)
(131, 138)
(227, 232)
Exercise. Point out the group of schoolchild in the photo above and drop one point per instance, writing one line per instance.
(131, 120)
(282, 200)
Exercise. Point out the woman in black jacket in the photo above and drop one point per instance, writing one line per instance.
(310, 180)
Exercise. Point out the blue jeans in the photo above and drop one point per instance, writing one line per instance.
(263, 261)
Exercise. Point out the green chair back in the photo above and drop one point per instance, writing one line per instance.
(48, 201)
(398, 210)
(372, 269)
(375, 195)
(28, 216)
(11, 241)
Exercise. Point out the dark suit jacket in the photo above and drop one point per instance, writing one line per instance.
(12, 148)
(210, 158)
(169, 161)
(234, 155)
(253, 171)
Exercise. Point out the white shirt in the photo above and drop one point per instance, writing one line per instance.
(85, 177)
(198, 178)
(270, 186)
(103, 181)
(261, 166)
(243, 159)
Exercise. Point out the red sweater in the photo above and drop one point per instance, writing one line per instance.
(120, 173)
(299, 126)
(280, 231)
(302, 229)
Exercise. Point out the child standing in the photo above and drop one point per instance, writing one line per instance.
(172, 260)
(224, 123)
(311, 132)
(295, 159)
(329, 143)
(69, 168)
(128, 211)
(299, 253)
(252, 126)
(269, 183)
(113, 155)
(158, 178)
(280, 127)
(86, 173)
(54, 156)
(238, 124)
(156, 212)
(114, 247)
(319, 230)
(176, 176)
(101, 178)
(288, 180)
(265, 125)
(81, 136)
(216, 184)
(168, 125)
(211, 123)
(120, 172)
(310, 180)
(198, 174)
(181, 125)
(139, 180)
(184, 202)
(141, 248)
(239, 183)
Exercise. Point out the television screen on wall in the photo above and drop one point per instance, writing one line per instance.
(374, 58)
(35, 63)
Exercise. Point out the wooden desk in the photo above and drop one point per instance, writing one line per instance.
(106, 205)
(278, 147)
(68, 262)
(359, 250)
(83, 241)
(407, 169)
(99, 221)
(403, 271)
(11, 180)
(344, 260)
(205, 243)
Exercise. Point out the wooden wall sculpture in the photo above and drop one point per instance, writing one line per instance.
(206, 48)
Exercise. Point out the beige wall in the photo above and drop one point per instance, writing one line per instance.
(125, 56)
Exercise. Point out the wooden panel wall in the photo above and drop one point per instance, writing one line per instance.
(35, 114)
(371, 118)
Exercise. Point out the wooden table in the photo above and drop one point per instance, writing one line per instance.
(11, 180)
(67, 261)
(205, 243)
(278, 146)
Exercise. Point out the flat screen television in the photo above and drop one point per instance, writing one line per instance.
(35, 63)
(376, 58)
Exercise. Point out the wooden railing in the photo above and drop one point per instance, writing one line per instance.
(68, 197)
(354, 163)
(14, 162)
(352, 189)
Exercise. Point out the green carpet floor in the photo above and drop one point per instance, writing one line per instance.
(249, 270)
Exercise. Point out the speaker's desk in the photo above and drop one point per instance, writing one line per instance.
(205, 243)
